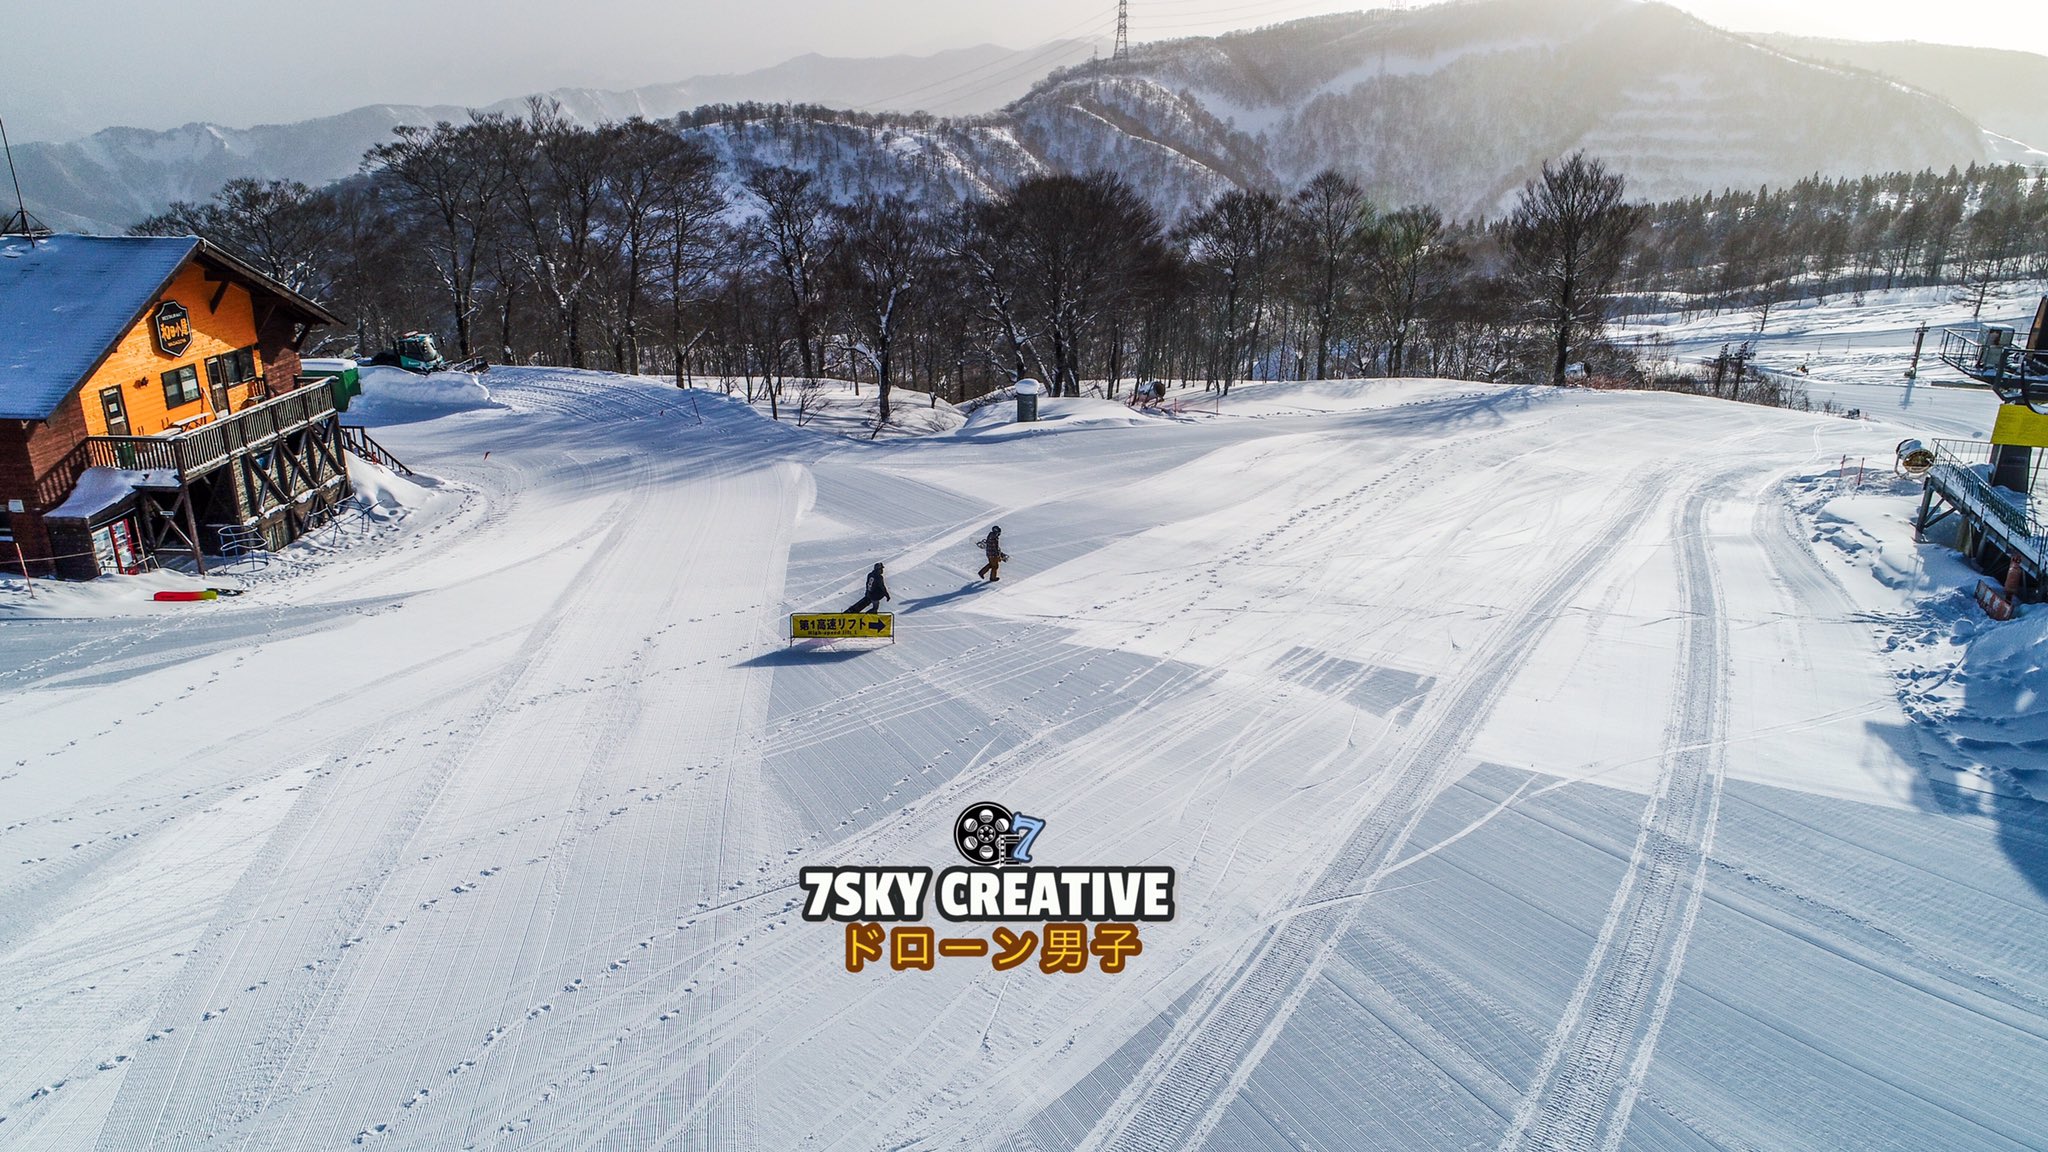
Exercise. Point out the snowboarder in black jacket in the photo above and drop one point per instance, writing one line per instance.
(992, 547)
(877, 592)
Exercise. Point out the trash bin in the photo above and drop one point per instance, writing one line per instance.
(1027, 401)
(341, 377)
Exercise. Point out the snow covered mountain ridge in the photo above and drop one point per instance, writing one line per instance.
(1454, 104)
(115, 177)
(1458, 104)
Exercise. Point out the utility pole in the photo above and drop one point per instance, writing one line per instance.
(1123, 31)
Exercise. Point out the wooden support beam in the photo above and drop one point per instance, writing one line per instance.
(275, 478)
(252, 490)
(161, 525)
(297, 471)
(337, 457)
(185, 502)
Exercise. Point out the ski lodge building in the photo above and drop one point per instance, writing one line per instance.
(151, 400)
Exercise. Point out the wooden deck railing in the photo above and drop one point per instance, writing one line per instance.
(207, 445)
(188, 454)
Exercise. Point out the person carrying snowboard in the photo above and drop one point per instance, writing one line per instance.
(992, 546)
(877, 592)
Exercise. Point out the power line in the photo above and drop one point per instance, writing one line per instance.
(994, 74)
(976, 80)
(945, 86)
(1270, 17)
(1178, 14)
(1033, 66)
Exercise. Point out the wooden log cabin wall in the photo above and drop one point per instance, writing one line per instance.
(150, 400)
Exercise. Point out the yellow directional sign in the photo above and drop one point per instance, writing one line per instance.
(840, 625)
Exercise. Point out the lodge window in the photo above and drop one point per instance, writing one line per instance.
(181, 386)
(231, 368)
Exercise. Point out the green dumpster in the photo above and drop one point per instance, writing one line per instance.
(341, 376)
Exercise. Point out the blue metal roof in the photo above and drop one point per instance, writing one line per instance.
(65, 301)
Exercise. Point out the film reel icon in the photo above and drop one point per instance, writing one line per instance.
(984, 833)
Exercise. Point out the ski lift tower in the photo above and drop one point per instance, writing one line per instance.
(2018, 374)
(1993, 486)
(1990, 355)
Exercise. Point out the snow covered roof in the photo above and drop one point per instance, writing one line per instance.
(101, 488)
(65, 301)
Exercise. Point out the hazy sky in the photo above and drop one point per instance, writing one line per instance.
(73, 66)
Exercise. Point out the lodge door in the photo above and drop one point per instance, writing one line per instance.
(116, 412)
(217, 385)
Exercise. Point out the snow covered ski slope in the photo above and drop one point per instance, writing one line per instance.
(1540, 769)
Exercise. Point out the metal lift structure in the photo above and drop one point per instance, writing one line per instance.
(1994, 485)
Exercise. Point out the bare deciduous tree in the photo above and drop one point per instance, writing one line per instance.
(560, 197)
(793, 231)
(1075, 249)
(451, 180)
(1567, 238)
(884, 254)
(1236, 241)
(1333, 221)
(282, 227)
(1411, 266)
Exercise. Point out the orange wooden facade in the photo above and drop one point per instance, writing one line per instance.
(137, 368)
(244, 333)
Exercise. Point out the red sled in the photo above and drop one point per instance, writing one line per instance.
(182, 597)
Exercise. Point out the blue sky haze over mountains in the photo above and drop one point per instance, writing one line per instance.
(84, 65)
(1453, 104)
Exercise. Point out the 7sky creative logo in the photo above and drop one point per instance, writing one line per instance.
(999, 883)
(992, 834)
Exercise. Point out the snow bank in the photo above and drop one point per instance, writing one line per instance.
(842, 408)
(383, 494)
(395, 396)
(384, 507)
(1319, 397)
(998, 418)
(109, 596)
(1975, 685)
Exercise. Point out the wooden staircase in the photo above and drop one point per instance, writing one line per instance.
(356, 439)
